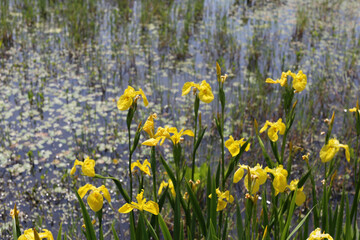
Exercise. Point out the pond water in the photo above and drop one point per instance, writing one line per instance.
(63, 65)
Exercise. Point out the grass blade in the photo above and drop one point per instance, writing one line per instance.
(90, 232)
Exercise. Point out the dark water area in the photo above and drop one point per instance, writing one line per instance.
(64, 64)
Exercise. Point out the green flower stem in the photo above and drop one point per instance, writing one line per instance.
(99, 216)
(356, 159)
(130, 156)
(153, 169)
(196, 112)
(283, 147)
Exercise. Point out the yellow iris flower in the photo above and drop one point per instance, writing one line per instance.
(223, 199)
(276, 127)
(300, 195)
(257, 174)
(161, 134)
(299, 80)
(95, 198)
(149, 125)
(176, 137)
(141, 205)
(317, 235)
(329, 150)
(126, 100)
(280, 175)
(145, 167)
(205, 92)
(354, 109)
(87, 167)
(29, 235)
(167, 184)
(164, 133)
(282, 81)
(234, 145)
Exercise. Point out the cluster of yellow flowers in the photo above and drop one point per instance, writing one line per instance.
(164, 133)
(257, 176)
(299, 80)
(95, 198)
(234, 145)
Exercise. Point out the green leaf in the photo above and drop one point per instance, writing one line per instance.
(136, 140)
(304, 178)
(265, 154)
(118, 185)
(300, 224)
(168, 170)
(132, 227)
(151, 229)
(348, 229)
(355, 204)
(59, 233)
(130, 115)
(211, 232)
(197, 209)
(164, 228)
(15, 224)
(198, 141)
(239, 223)
(90, 232)
(116, 237)
(275, 150)
(141, 230)
(339, 221)
(213, 203)
(217, 176)
(289, 216)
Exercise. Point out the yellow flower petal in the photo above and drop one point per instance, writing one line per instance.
(105, 192)
(238, 175)
(221, 205)
(143, 97)
(84, 189)
(95, 200)
(88, 168)
(317, 235)
(151, 141)
(188, 132)
(187, 88)
(151, 207)
(300, 198)
(29, 235)
(124, 102)
(205, 93)
(126, 208)
(299, 81)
